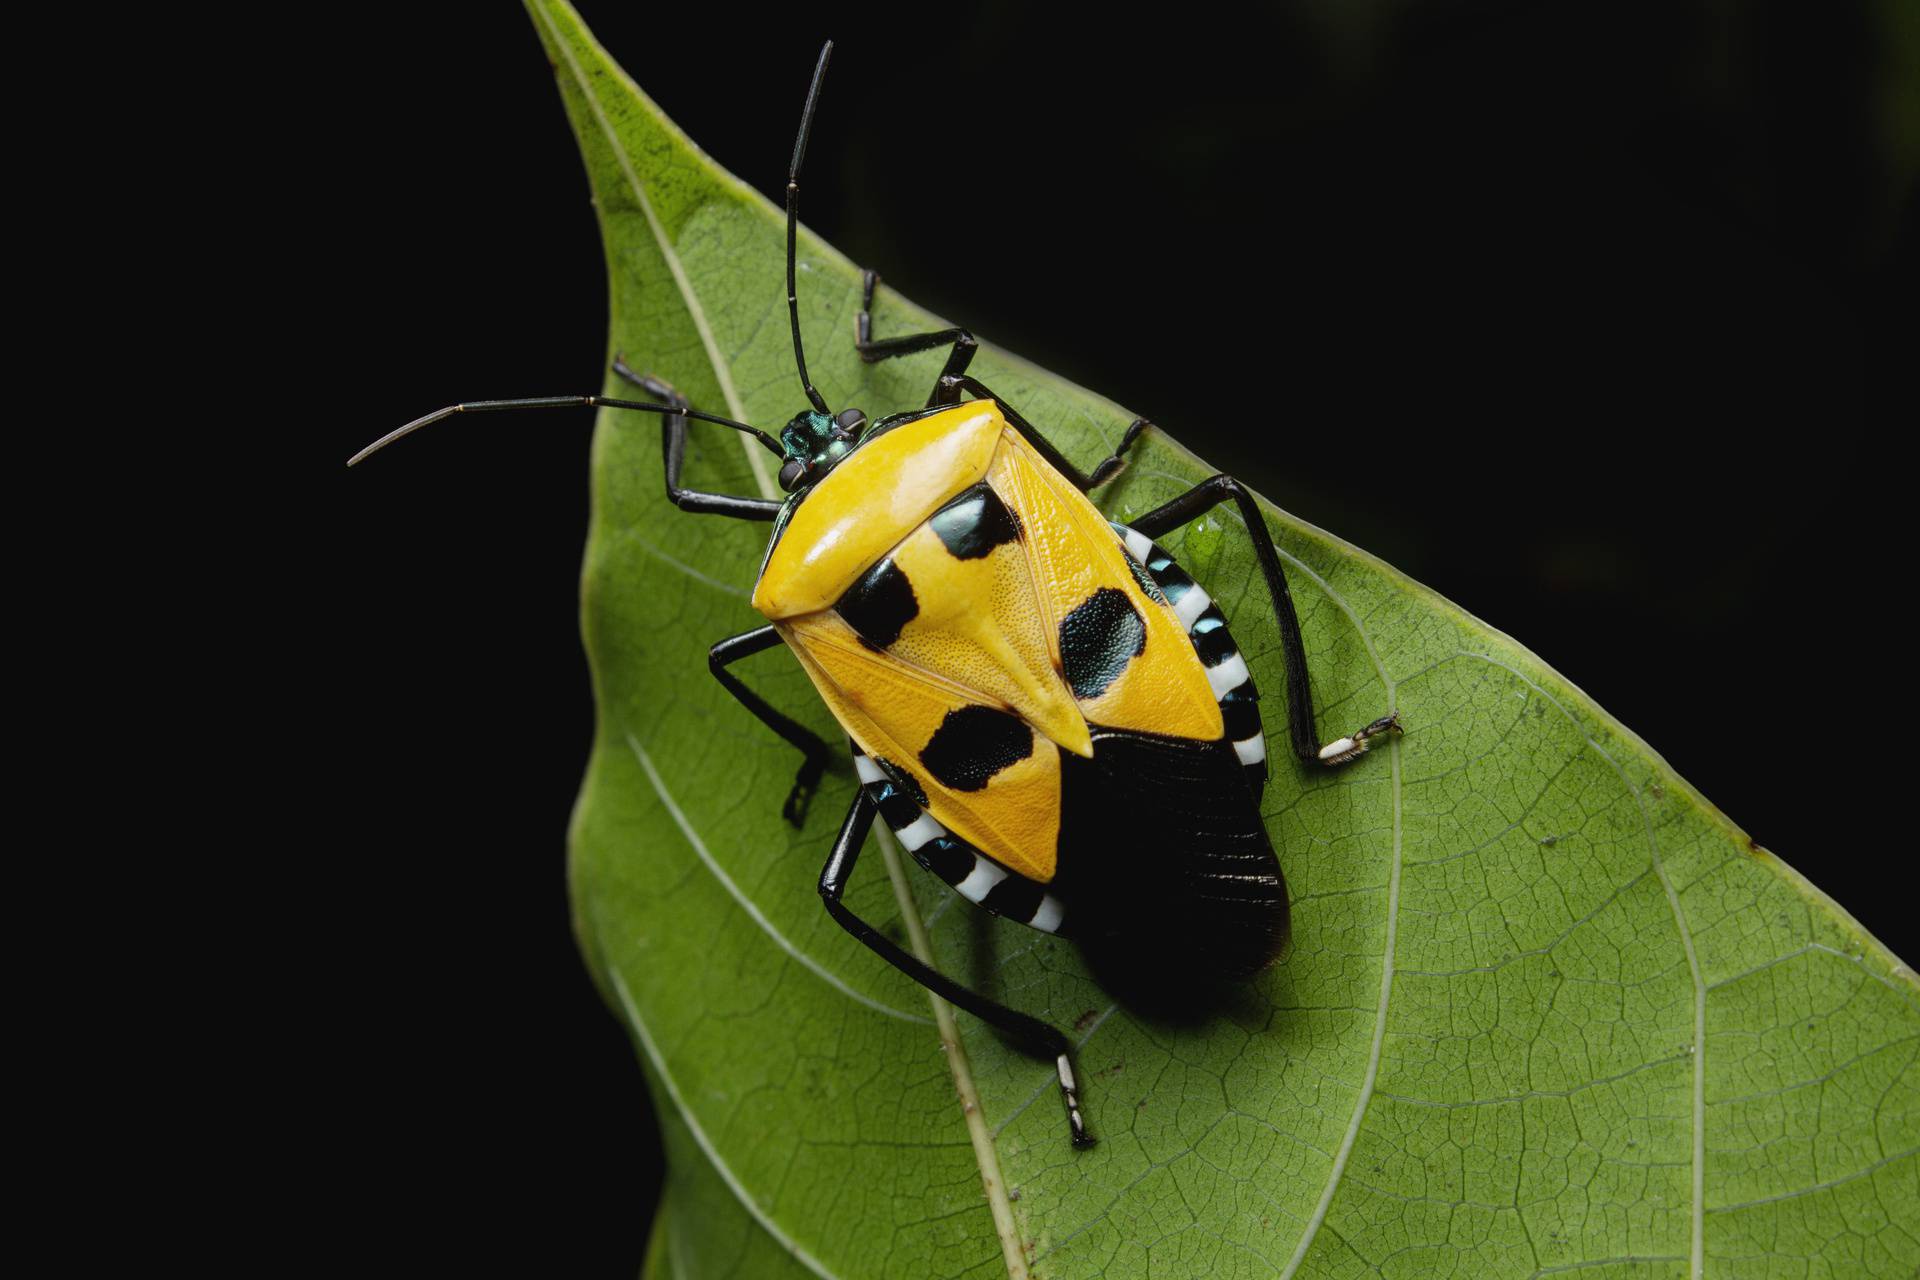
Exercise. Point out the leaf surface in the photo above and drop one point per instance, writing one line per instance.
(1546, 1010)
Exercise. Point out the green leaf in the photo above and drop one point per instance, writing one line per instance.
(1546, 1009)
(657, 1265)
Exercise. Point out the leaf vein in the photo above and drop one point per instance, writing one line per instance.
(1855, 1176)
(720, 1166)
(747, 904)
(1698, 1209)
(1387, 950)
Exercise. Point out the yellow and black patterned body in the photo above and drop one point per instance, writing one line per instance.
(1047, 711)
(1051, 715)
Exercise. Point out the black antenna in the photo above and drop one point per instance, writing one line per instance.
(793, 220)
(563, 402)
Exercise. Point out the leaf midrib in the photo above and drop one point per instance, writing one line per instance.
(985, 1150)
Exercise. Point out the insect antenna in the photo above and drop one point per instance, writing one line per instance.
(563, 402)
(793, 221)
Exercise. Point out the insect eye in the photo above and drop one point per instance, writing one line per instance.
(792, 474)
(850, 421)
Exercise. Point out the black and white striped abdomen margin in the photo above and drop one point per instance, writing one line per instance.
(973, 875)
(1207, 628)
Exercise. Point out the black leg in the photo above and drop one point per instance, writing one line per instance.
(949, 391)
(1300, 716)
(1033, 1035)
(953, 380)
(673, 438)
(732, 650)
(873, 352)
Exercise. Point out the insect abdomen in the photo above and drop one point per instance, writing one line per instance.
(1162, 849)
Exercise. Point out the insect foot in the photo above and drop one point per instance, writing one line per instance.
(1113, 466)
(1070, 1090)
(794, 810)
(1341, 750)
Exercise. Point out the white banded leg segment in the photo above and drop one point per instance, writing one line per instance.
(1251, 750)
(1341, 750)
(1070, 1091)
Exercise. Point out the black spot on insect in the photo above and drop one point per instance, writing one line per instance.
(974, 523)
(974, 743)
(1098, 639)
(903, 780)
(879, 605)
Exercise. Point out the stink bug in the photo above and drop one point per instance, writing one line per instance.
(1046, 710)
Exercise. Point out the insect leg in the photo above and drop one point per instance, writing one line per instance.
(746, 645)
(964, 344)
(673, 439)
(949, 393)
(1033, 1035)
(1300, 716)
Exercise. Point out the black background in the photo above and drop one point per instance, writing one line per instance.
(1582, 315)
